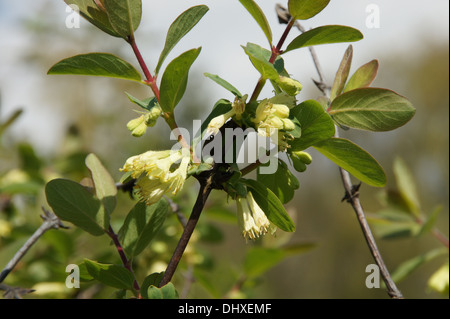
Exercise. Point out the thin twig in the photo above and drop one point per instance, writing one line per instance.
(50, 221)
(205, 190)
(351, 196)
(126, 263)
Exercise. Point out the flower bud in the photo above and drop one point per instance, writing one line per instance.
(303, 156)
(298, 165)
(290, 86)
(216, 123)
(280, 110)
(288, 125)
(155, 112)
(137, 126)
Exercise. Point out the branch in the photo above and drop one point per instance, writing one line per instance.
(205, 190)
(50, 221)
(126, 263)
(351, 192)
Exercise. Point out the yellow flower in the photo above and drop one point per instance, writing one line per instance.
(155, 173)
(251, 218)
(138, 126)
(290, 86)
(216, 123)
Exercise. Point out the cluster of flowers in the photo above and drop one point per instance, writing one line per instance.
(161, 172)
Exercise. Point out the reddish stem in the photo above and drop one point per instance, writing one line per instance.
(151, 80)
(276, 51)
(126, 263)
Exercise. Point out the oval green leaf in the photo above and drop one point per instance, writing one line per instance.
(166, 292)
(105, 187)
(354, 160)
(96, 64)
(306, 9)
(174, 80)
(258, 56)
(282, 183)
(259, 17)
(124, 15)
(363, 77)
(89, 10)
(325, 35)
(315, 123)
(179, 28)
(342, 73)
(110, 275)
(223, 83)
(73, 203)
(142, 225)
(372, 109)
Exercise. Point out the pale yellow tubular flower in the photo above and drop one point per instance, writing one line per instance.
(262, 111)
(217, 122)
(153, 173)
(251, 218)
(290, 86)
(137, 126)
(280, 110)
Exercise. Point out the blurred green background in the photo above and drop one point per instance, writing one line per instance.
(66, 117)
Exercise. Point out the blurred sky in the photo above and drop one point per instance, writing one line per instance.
(404, 24)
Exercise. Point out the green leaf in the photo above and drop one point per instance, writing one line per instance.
(105, 187)
(166, 292)
(342, 73)
(306, 9)
(141, 225)
(223, 83)
(407, 267)
(363, 77)
(371, 109)
(260, 259)
(146, 104)
(391, 226)
(73, 203)
(271, 205)
(179, 28)
(89, 10)
(316, 125)
(151, 280)
(282, 183)
(110, 275)
(325, 35)
(431, 220)
(354, 160)
(407, 186)
(124, 16)
(174, 80)
(259, 17)
(96, 64)
(258, 57)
